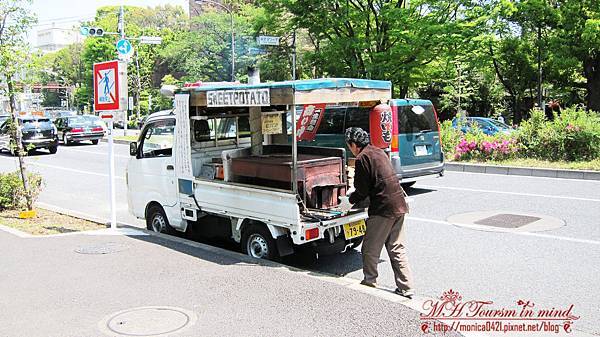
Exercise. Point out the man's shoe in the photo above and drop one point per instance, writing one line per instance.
(406, 293)
(368, 284)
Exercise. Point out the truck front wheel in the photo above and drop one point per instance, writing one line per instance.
(258, 242)
(156, 220)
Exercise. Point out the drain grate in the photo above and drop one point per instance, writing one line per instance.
(148, 321)
(507, 220)
(99, 249)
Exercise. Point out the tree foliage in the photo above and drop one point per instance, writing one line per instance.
(481, 57)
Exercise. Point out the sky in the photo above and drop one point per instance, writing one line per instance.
(67, 13)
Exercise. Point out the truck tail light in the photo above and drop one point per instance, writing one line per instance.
(75, 130)
(312, 233)
(394, 145)
(97, 129)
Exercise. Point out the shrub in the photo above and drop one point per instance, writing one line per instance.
(572, 136)
(12, 193)
(450, 138)
(481, 147)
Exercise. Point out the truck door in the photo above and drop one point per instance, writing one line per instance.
(152, 173)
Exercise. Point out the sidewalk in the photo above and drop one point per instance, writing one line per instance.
(58, 286)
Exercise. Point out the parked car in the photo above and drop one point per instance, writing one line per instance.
(489, 126)
(74, 129)
(36, 132)
(416, 150)
(3, 118)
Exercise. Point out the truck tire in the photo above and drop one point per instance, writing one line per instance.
(53, 149)
(95, 142)
(257, 242)
(156, 220)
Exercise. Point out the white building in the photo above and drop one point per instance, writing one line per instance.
(55, 38)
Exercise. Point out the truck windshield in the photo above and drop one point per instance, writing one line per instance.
(158, 139)
(224, 128)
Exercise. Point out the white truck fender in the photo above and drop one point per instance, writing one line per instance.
(236, 226)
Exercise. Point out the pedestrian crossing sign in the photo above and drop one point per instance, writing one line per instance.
(106, 86)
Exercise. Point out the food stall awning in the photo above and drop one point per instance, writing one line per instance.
(314, 91)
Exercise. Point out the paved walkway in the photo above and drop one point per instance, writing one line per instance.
(56, 286)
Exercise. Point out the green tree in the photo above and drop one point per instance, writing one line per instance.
(15, 20)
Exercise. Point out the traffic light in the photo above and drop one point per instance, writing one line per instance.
(92, 31)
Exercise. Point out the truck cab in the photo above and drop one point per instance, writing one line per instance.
(221, 164)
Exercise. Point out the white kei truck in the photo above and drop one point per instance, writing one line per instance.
(224, 164)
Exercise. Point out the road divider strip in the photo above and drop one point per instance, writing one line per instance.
(524, 171)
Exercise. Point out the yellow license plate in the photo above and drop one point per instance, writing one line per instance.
(355, 229)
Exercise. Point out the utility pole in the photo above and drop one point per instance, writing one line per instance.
(121, 30)
(294, 55)
(539, 61)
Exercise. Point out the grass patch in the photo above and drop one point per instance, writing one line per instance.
(527, 162)
(127, 138)
(47, 222)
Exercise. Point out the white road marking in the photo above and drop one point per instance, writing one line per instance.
(510, 193)
(95, 152)
(540, 235)
(520, 176)
(72, 170)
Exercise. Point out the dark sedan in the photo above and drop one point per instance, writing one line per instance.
(37, 133)
(74, 129)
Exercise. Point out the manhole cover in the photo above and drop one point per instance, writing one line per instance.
(104, 248)
(506, 221)
(147, 321)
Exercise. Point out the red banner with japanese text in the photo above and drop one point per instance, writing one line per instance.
(308, 123)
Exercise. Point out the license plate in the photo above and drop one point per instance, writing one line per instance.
(420, 150)
(355, 229)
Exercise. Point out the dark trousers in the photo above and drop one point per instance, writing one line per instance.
(389, 232)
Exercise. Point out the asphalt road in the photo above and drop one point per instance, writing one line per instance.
(555, 269)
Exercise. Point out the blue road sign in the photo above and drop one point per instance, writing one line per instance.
(124, 47)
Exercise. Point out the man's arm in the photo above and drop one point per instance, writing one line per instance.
(362, 183)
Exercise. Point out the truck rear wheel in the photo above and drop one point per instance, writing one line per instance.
(156, 220)
(258, 242)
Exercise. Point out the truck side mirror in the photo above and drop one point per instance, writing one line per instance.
(133, 149)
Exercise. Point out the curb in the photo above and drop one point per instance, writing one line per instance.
(116, 141)
(524, 171)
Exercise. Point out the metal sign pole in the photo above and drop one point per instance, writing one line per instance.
(111, 176)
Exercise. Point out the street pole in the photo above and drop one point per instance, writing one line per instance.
(111, 174)
(121, 29)
(294, 56)
(230, 11)
(232, 47)
(139, 84)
